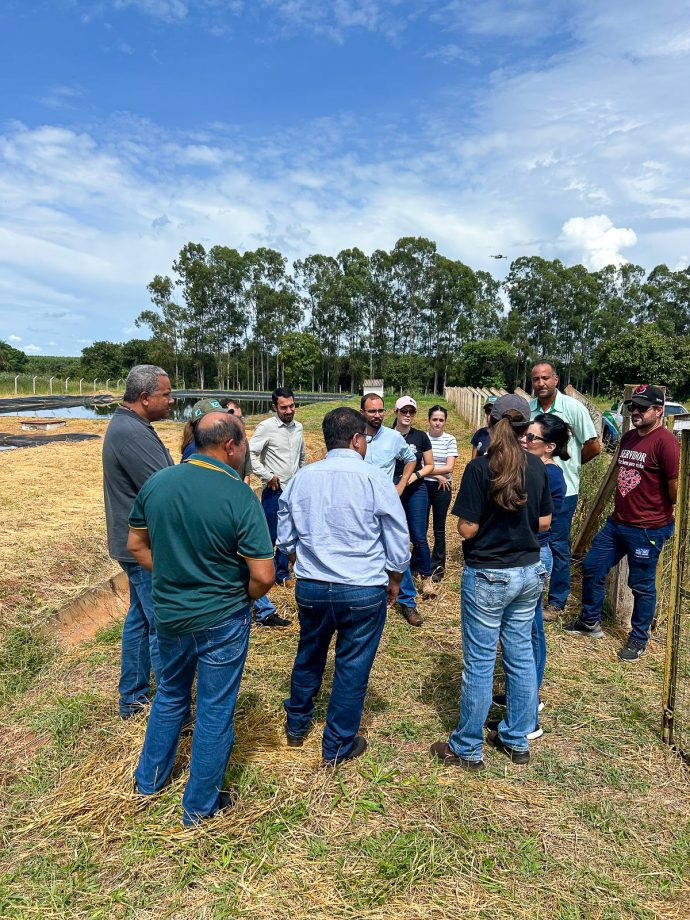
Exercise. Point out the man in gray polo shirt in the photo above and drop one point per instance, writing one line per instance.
(132, 451)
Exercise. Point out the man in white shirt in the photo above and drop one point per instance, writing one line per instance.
(277, 452)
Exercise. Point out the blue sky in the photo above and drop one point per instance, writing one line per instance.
(129, 127)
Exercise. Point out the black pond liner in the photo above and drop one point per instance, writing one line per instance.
(27, 440)
(37, 403)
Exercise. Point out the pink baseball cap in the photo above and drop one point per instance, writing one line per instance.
(405, 401)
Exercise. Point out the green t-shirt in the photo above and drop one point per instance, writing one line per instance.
(203, 522)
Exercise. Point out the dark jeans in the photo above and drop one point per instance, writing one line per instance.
(139, 643)
(559, 586)
(218, 655)
(269, 501)
(439, 503)
(357, 614)
(415, 501)
(643, 547)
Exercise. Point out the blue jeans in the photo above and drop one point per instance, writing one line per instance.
(218, 654)
(269, 502)
(263, 607)
(357, 614)
(497, 603)
(643, 547)
(415, 501)
(407, 595)
(139, 643)
(559, 586)
(538, 634)
(439, 503)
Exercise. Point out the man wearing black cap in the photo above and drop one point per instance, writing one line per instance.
(642, 521)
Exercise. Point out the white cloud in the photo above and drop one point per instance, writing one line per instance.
(33, 349)
(168, 10)
(597, 241)
(14, 338)
(60, 96)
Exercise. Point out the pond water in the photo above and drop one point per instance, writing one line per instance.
(180, 411)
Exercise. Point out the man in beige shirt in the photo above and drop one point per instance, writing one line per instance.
(277, 452)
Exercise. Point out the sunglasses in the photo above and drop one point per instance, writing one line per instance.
(529, 437)
(639, 408)
(407, 411)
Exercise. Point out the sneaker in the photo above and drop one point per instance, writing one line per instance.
(492, 739)
(429, 588)
(537, 733)
(551, 613)
(273, 620)
(442, 751)
(632, 650)
(499, 699)
(412, 615)
(578, 627)
(437, 574)
(359, 746)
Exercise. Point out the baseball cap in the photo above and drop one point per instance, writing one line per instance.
(646, 395)
(204, 406)
(490, 400)
(511, 401)
(405, 401)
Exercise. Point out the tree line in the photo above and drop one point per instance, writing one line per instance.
(410, 315)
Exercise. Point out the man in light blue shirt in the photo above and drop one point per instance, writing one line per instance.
(342, 521)
(385, 446)
(583, 446)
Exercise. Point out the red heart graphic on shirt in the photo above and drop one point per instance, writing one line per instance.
(628, 479)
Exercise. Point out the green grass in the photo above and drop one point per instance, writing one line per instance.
(595, 827)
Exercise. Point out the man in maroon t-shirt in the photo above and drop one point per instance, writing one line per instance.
(642, 521)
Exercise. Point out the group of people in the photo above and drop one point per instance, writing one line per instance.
(199, 549)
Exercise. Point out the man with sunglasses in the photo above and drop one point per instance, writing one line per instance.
(642, 521)
(387, 449)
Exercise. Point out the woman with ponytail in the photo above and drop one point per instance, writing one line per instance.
(502, 504)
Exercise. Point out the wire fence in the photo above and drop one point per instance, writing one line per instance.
(676, 712)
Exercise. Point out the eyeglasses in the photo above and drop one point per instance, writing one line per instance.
(529, 437)
(639, 408)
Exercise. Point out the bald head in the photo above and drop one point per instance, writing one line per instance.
(215, 428)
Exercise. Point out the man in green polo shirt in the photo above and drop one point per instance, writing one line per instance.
(583, 446)
(203, 533)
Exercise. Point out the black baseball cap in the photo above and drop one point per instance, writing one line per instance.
(646, 395)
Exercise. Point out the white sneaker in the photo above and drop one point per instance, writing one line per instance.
(537, 733)
(541, 705)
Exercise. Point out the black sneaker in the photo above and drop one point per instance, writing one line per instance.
(442, 751)
(632, 650)
(359, 746)
(578, 627)
(437, 574)
(492, 739)
(273, 620)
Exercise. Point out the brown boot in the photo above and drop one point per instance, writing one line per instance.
(429, 589)
(412, 615)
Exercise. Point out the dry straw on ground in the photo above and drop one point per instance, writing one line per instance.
(596, 826)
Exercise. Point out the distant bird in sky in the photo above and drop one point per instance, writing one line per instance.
(498, 257)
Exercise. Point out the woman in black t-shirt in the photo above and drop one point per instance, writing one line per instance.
(415, 498)
(503, 502)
